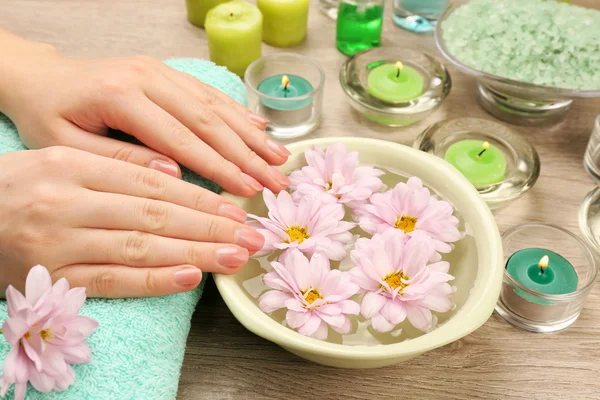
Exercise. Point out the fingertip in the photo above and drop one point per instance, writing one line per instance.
(188, 277)
(168, 167)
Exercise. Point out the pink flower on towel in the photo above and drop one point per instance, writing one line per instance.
(398, 282)
(334, 176)
(46, 333)
(409, 207)
(308, 226)
(315, 296)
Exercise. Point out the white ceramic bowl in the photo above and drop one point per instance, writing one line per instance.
(477, 262)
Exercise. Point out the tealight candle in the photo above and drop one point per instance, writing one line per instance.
(543, 271)
(481, 163)
(234, 33)
(395, 83)
(285, 87)
(284, 21)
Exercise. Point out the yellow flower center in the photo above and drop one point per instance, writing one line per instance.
(397, 280)
(311, 295)
(46, 334)
(296, 234)
(328, 186)
(407, 224)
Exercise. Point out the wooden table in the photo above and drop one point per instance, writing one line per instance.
(224, 361)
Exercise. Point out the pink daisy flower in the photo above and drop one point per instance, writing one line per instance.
(334, 176)
(46, 334)
(315, 296)
(398, 282)
(308, 226)
(409, 207)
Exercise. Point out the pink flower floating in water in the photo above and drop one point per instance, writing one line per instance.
(46, 333)
(409, 207)
(398, 282)
(309, 226)
(315, 296)
(334, 176)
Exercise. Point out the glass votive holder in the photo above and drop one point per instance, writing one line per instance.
(591, 160)
(505, 171)
(369, 80)
(329, 8)
(293, 108)
(418, 16)
(544, 299)
(589, 220)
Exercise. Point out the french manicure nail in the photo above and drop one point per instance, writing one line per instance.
(249, 238)
(253, 183)
(277, 148)
(279, 176)
(232, 212)
(232, 256)
(188, 276)
(258, 119)
(165, 167)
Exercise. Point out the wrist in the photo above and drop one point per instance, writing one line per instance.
(20, 61)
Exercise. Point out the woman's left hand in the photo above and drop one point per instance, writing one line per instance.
(54, 100)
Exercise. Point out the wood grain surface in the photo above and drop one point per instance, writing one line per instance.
(224, 361)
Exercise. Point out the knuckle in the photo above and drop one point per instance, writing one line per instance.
(206, 116)
(155, 215)
(211, 99)
(104, 283)
(196, 256)
(137, 66)
(181, 136)
(214, 229)
(218, 168)
(137, 247)
(124, 153)
(152, 183)
(57, 156)
(151, 283)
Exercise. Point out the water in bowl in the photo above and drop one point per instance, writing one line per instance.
(464, 252)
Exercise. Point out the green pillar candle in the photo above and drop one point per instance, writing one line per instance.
(284, 21)
(481, 168)
(197, 10)
(526, 267)
(234, 32)
(395, 83)
(285, 87)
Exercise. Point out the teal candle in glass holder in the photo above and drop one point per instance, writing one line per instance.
(359, 24)
(544, 271)
(286, 88)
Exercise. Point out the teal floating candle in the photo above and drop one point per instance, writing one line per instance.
(286, 88)
(481, 163)
(395, 83)
(544, 271)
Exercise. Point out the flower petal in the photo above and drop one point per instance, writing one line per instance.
(15, 301)
(14, 328)
(37, 283)
(380, 324)
(349, 307)
(273, 300)
(297, 319)
(321, 332)
(41, 381)
(310, 327)
(371, 304)
(419, 317)
(394, 312)
(78, 354)
(345, 328)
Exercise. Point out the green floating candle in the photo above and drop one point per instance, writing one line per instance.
(285, 87)
(544, 271)
(395, 83)
(481, 163)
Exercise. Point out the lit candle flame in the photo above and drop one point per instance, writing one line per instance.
(485, 145)
(399, 67)
(543, 264)
(285, 81)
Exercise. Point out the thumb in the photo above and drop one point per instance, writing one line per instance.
(75, 137)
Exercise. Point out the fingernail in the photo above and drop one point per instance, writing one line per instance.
(253, 183)
(278, 149)
(279, 176)
(232, 256)
(232, 212)
(188, 276)
(165, 167)
(249, 238)
(258, 119)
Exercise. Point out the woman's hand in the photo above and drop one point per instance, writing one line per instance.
(55, 100)
(118, 229)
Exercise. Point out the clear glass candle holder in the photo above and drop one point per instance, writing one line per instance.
(418, 16)
(354, 80)
(533, 310)
(591, 159)
(292, 116)
(522, 161)
(589, 219)
(329, 8)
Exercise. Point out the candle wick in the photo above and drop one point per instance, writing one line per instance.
(398, 74)
(231, 14)
(486, 145)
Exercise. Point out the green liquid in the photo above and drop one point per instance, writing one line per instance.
(358, 28)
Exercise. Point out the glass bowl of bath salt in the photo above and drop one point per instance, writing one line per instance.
(530, 59)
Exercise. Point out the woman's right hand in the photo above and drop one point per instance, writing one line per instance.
(116, 228)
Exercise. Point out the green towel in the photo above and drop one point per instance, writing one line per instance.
(138, 347)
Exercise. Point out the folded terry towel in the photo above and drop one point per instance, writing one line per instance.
(138, 347)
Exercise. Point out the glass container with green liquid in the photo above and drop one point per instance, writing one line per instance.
(359, 24)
